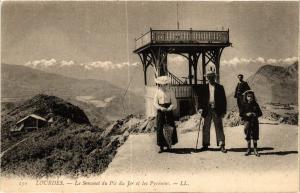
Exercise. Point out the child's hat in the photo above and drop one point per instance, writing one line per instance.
(248, 91)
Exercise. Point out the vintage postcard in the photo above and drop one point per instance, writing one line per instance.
(149, 96)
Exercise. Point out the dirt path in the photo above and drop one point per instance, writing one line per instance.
(212, 171)
(11, 147)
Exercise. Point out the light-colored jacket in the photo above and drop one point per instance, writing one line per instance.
(163, 97)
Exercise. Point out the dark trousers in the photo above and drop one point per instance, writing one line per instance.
(211, 115)
(251, 129)
(239, 101)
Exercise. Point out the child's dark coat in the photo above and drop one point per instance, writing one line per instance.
(251, 123)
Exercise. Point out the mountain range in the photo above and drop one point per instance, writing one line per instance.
(273, 84)
(130, 75)
(98, 98)
(102, 98)
(276, 84)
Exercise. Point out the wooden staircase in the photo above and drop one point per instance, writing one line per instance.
(175, 80)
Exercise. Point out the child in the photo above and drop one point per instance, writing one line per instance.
(250, 112)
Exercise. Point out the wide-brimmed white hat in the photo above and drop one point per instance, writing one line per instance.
(162, 80)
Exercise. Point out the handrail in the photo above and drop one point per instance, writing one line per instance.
(186, 36)
(191, 30)
(190, 36)
(174, 79)
(142, 35)
(165, 30)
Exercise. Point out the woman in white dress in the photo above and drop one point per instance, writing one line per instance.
(165, 102)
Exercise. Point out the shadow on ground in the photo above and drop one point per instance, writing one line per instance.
(193, 150)
(245, 149)
(279, 153)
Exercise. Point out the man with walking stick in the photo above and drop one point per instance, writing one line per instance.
(214, 108)
(199, 112)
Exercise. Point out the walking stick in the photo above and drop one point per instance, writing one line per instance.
(198, 130)
(199, 113)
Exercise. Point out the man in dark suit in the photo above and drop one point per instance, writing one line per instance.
(241, 87)
(213, 108)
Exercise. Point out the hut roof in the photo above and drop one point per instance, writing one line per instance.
(33, 116)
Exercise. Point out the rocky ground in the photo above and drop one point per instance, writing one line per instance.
(280, 113)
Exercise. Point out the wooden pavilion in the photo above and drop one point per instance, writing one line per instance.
(29, 123)
(196, 46)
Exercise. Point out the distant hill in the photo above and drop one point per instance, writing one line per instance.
(42, 105)
(124, 75)
(103, 98)
(70, 145)
(276, 84)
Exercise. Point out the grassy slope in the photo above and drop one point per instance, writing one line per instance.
(70, 146)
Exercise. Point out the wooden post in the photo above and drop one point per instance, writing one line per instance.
(165, 62)
(218, 72)
(190, 70)
(161, 61)
(157, 60)
(145, 75)
(143, 58)
(217, 64)
(195, 65)
(195, 71)
(203, 66)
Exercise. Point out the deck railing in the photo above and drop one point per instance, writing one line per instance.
(181, 91)
(183, 36)
(143, 40)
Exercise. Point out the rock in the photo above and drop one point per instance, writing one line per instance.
(121, 140)
(143, 126)
(132, 124)
(151, 125)
(281, 119)
(290, 118)
(126, 134)
(191, 124)
(109, 129)
(232, 119)
(271, 116)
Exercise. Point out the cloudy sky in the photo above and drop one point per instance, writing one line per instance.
(95, 35)
(104, 31)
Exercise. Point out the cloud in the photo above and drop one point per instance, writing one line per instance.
(66, 63)
(177, 59)
(261, 61)
(44, 63)
(289, 60)
(106, 65)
